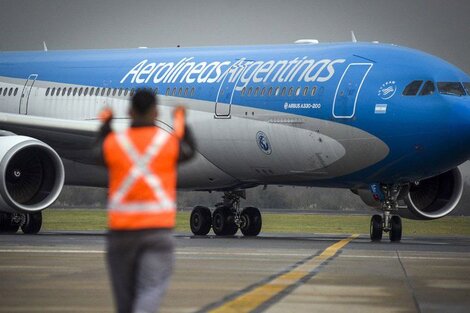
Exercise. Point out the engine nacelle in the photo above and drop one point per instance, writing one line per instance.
(31, 174)
(434, 197)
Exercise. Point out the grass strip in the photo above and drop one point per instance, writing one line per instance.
(95, 219)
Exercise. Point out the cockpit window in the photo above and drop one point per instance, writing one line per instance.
(428, 89)
(412, 88)
(467, 87)
(451, 88)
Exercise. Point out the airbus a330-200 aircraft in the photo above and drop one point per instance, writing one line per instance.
(389, 123)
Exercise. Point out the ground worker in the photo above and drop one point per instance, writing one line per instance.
(142, 168)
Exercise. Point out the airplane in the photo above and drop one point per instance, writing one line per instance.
(389, 123)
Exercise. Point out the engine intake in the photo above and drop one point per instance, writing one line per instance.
(31, 174)
(434, 197)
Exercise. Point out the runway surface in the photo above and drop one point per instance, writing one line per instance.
(65, 272)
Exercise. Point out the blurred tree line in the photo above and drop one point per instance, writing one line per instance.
(273, 197)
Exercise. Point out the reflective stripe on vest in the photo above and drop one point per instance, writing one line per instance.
(130, 207)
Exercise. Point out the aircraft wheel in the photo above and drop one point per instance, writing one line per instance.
(376, 228)
(395, 228)
(6, 225)
(251, 221)
(33, 223)
(200, 221)
(223, 222)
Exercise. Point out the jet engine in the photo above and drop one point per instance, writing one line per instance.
(431, 198)
(31, 175)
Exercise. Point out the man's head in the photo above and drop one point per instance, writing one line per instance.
(143, 107)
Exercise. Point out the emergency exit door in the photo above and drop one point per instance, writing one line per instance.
(227, 87)
(349, 86)
(26, 93)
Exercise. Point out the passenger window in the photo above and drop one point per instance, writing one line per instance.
(64, 91)
(85, 92)
(167, 92)
(174, 91)
(10, 92)
(5, 91)
(428, 89)
(52, 91)
(451, 88)
(155, 91)
(256, 91)
(75, 91)
(291, 90)
(180, 91)
(132, 92)
(102, 91)
(465, 85)
(120, 92)
(270, 91)
(58, 91)
(314, 89)
(80, 91)
(47, 90)
(16, 91)
(249, 91)
(305, 91)
(263, 91)
(412, 88)
(114, 91)
(243, 91)
(283, 92)
(92, 91)
(276, 92)
(108, 92)
(70, 91)
(297, 91)
(186, 91)
(192, 91)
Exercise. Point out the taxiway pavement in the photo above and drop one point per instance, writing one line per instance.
(66, 272)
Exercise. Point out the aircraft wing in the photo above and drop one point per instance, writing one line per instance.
(72, 139)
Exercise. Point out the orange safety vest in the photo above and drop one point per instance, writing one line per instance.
(142, 171)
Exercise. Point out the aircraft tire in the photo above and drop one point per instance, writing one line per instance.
(200, 220)
(223, 222)
(376, 228)
(33, 223)
(251, 221)
(6, 225)
(395, 229)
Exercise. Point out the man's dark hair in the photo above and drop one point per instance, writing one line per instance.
(142, 101)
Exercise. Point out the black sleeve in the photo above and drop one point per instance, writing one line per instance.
(187, 146)
(97, 149)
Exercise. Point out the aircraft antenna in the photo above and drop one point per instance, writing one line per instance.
(353, 37)
(45, 46)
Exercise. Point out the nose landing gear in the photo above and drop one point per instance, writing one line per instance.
(227, 217)
(389, 222)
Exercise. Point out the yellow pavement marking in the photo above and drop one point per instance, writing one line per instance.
(249, 301)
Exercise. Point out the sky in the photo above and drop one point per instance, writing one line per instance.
(438, 27)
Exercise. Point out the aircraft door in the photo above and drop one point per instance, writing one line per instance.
(349, 86)
(224, 97)
(26, 93)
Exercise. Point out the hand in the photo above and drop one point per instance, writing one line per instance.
(106, 115)
(179, 110)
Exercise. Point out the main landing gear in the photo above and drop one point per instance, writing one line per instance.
(29, 223)
(388, 222)
(227, 217)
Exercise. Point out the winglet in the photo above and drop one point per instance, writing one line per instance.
(45, 46)
(353, 37)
